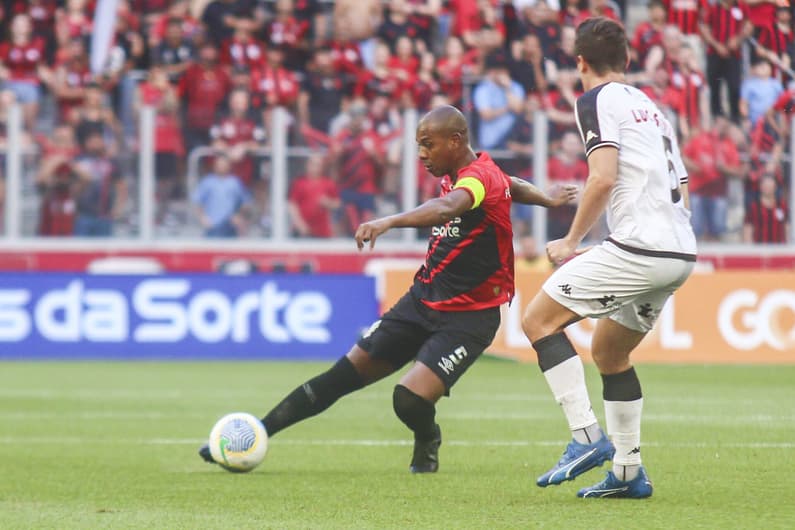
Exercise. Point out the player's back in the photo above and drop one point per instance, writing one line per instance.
(645, 210)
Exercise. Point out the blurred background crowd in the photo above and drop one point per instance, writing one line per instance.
(345, 71)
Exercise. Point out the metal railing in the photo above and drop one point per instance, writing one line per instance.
(278, 152)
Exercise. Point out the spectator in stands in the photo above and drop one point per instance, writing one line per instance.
(724, 28)
(71, 79)
(767, 217)
(95, 116)
(425, 85)
(287, 32)
(422, 17)
(498, 100)
(520, 140)
(396, 24)
(274, 85)
(42, 15)
(768, 145)
(685, 14)
(562, 56)
(358, 157)
(158, 92)
(310, 14)
(57, 149)
(381, 79)
(758, 92)
(242, 49)
(177, 10)
(222, 17)
(559, 104)
(23, 66)
(490, 34)
(404, 63)
(355, 23)
(57, 209)
(175, 53)
(541, 19)
(222, 201)
(527, 66)
(72, 21)
(313, 197)
(649, 32)
(203, 89)
(322, 92)
(453, 67)
(100, 191)
(688, 80)
(566, 166)
(239, 136)
(711, 158)
(776, 40)
(667, 53)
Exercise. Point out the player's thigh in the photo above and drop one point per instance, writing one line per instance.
(545, 316)
(460, 338)
(392, 341)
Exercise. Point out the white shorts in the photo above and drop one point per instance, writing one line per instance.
(610, 282)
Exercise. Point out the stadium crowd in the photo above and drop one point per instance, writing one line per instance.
(346, 70)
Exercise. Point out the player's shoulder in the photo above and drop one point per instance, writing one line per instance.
(611, 94)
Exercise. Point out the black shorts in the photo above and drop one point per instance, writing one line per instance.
(447, 342)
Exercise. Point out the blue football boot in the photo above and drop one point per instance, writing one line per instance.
(638, 488)
(576, 460)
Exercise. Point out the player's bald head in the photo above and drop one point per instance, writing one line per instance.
(444, 121)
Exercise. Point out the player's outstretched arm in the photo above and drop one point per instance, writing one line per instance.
(602, 175)
(525, 193)
(430, 213)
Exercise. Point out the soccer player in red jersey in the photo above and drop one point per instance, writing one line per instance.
(451, 312)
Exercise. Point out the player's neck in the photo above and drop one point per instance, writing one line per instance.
(466, 158)
(595, 80)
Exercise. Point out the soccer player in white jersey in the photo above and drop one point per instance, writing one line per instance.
(634, 172)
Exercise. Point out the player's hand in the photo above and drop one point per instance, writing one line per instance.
(560, 250)
(564, 194)
(369, 231)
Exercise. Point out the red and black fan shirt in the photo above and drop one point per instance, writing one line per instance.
(469, 263)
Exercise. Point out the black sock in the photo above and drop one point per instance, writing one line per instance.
(624, 386)
(553, 350)
(314, 396)
(417, 413)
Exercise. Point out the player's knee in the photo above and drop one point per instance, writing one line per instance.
(406, 403)
(533, 326)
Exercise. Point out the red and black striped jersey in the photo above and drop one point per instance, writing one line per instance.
(769, 223)
(775, 40)
(725, 22)
(469, 262)
(685, 14)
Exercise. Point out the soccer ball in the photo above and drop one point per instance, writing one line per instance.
(238, 442)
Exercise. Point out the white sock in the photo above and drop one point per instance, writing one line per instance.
(623, 427)
(567, 382)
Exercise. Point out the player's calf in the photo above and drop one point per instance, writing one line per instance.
(419, 415)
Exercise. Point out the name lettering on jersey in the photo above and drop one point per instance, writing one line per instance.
(448, 229)
(449, 362)
(644, 115)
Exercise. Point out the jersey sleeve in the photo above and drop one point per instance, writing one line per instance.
(598, 124)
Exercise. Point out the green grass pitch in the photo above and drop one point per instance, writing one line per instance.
(113, 445)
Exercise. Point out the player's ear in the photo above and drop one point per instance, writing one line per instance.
(582, 66)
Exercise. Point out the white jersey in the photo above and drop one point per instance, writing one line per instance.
(645, 212)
